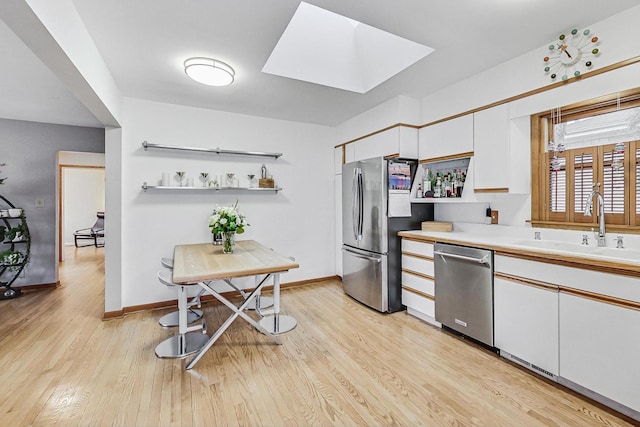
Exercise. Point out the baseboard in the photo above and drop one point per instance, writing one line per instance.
(230, 295)
(38, 286)
(108, 315)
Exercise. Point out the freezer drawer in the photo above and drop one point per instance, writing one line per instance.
(364, 277)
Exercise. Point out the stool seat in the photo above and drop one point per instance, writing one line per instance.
(167, 263)
(170, 320)
(188, 341)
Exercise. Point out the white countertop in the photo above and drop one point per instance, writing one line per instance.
(554, 244)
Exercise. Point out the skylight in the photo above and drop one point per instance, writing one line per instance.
(325, 48)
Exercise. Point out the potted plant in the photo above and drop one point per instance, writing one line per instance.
(11, 259)
(16, 233)
(227, 221)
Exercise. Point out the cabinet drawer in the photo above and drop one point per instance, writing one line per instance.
(419, 265)
(419, 283)
(614, 285)
(418, 248)
(419, 303)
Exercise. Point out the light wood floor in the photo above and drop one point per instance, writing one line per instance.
(343, 365)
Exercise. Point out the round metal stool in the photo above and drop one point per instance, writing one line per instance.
(170, 320)
(190, 339)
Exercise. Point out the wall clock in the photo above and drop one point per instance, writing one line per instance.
(571, 54)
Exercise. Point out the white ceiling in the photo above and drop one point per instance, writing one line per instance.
(145, 42)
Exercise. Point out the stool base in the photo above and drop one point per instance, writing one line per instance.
(172, 319)
(278, 323)
(180, 346)
(265, 302)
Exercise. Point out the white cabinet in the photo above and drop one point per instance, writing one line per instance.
(397, 141)
(585, 332)
(526, 323)
(600, 348)
(337, 160)
(501, 150)
(447, 139)
(418, 280)
(349, 153)
(337, 191)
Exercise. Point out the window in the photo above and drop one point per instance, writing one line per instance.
(593, 146)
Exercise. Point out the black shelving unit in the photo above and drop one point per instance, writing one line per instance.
(15, 248)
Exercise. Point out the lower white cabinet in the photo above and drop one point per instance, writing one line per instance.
(600, 348)
(417, 280)
(526, 323)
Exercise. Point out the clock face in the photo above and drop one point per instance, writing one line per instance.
(571, 55)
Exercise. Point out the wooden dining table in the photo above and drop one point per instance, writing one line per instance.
(204, 263)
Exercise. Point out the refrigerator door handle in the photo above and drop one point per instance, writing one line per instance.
(360, 205)
(359, 255)
(355, 203)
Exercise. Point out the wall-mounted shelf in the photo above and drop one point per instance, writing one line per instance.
(218, 150)
(146, 187)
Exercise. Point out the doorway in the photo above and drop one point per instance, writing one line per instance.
(81, 194)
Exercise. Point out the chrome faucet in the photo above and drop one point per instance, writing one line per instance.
(589, 208)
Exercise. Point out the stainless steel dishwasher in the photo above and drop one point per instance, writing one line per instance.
(464, 290)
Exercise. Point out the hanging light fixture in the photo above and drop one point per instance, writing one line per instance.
(209, 71)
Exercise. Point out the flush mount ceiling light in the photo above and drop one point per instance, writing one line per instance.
(209, 71)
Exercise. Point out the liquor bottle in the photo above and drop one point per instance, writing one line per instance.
(437, 191)
(447, 187)
(419, 192)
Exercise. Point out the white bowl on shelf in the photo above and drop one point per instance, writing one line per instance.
(15, 213)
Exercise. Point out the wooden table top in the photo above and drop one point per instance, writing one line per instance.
(204, 261)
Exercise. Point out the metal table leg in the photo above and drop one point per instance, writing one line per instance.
(277, 323)
(260, 301)
(237, 312)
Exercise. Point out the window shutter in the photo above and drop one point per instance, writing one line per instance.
(583, 180)
(637, 168)
(613, 182)
(558, 186)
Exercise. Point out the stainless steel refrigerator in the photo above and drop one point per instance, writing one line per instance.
(375, 206)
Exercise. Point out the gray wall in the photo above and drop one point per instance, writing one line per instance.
(29, 149)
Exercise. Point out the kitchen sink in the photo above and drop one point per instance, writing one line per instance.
(577, 249)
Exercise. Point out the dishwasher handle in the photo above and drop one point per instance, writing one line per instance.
(483, 260)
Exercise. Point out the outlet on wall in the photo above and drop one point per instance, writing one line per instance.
(494, 217)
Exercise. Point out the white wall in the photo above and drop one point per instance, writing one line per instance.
(619, 41)
(297, 221)
(619, 37)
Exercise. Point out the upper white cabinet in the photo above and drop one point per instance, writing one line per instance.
(501, 151)
(337, 160)
(398, 141)
(447, 139)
